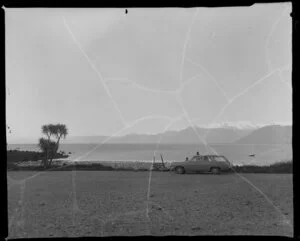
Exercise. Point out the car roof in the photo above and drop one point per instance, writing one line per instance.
(209, 155)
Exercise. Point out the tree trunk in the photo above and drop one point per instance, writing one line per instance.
(55, 150)
(50, 162)
(45, 162)
(57, 144)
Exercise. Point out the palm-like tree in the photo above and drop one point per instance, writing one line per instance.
(48, 146)
(60, 131)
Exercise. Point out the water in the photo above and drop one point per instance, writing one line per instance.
(237, 154)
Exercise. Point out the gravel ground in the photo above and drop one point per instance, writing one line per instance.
(110, 203)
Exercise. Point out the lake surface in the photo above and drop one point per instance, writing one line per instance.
(238, 154)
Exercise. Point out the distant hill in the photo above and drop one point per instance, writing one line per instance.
(84, 139)
(187, 135)
(273, 134)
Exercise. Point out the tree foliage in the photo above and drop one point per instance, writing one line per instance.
(48, 146)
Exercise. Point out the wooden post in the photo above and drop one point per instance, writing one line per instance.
(162, 160)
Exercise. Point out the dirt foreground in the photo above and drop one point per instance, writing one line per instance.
(110, 203)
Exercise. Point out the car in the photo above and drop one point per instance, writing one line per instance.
(202, 163)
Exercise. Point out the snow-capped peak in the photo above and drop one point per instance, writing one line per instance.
(233, 125)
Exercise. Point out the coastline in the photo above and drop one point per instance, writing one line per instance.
(64, 165)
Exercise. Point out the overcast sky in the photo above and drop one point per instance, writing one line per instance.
(98, 70)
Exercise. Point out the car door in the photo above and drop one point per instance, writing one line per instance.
(191, 165)
(204, 164)
(200, 164)
(212, 162)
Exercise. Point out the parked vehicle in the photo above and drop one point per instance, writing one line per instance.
(202, 163)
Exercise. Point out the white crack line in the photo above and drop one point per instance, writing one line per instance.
(13, 182)
(22, 221)
(14, 214)
(210, 75)
(76, 208)
(252, 85)
(220, 113)
(179, 99)
(233, 144)
(184, 84)
(269, 62)
(180, 78)
(286, 221)
(178, 96)
(273, 27)
(260, 191)
(185, 45)
(284, 82)
(240, 94)
(19, 211)
(245, 179)
(75, 205)
(131, 124)
(149, 117)
(138, 86)
(94, 68)
(151, 167)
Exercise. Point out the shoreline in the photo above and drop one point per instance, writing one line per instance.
(281, 167)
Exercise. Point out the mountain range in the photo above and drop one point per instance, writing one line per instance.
(273, 134)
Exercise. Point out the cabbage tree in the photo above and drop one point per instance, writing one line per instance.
(48, 146)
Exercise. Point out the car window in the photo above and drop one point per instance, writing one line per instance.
(211, 158)
(193, 159)
(197, 158)
(205, 158)
(200, 159)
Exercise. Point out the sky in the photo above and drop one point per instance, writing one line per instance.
(104, 72)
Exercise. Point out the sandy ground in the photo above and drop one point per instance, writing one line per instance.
(109, 203)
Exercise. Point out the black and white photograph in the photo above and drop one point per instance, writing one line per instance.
(149, 121)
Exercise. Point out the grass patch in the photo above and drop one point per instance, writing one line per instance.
(61, 165)
(16, 156)
(280, 167)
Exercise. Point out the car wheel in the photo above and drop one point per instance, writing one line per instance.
(215, 170)
(180, 170)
